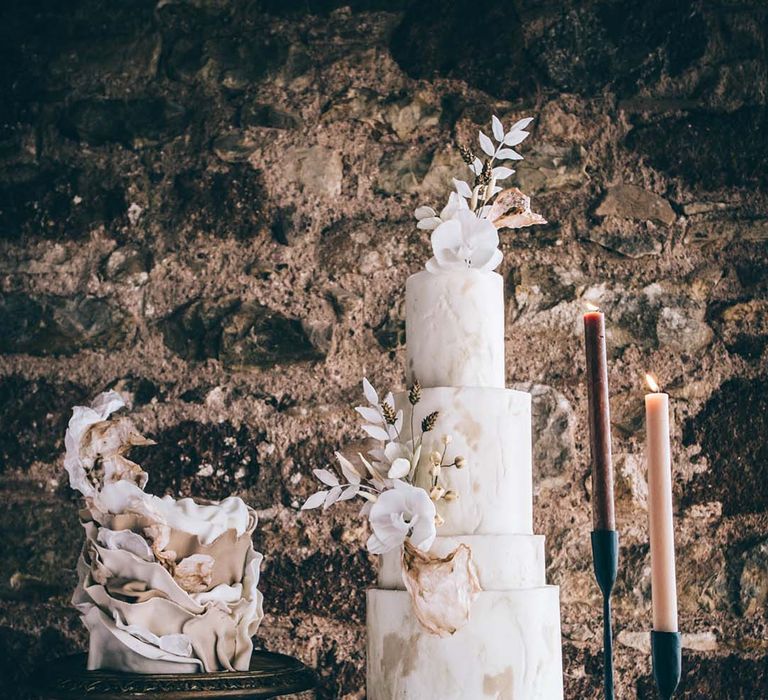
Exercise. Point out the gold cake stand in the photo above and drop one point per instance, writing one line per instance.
(270, 675)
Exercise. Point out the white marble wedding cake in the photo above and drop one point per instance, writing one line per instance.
(511, 646)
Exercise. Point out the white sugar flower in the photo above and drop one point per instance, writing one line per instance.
(395, 460)
(465, 241)
(83, 418)
(429, 220)
(400, 513)
(399, 458)
(456, 203)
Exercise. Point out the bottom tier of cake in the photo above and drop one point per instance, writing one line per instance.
(510, 649)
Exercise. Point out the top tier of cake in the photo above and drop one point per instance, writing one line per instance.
(454, 327)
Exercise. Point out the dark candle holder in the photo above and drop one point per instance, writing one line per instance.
(666, 656)
(605, 555)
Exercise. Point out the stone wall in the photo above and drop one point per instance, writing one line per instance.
(207, 206)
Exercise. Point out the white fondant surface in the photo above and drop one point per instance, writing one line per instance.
(207, 521)
(510, 649)
(503, 562)
(491, 429)
(113, 649)
(454, 327)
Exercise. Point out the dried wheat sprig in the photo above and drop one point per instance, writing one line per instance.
(429, 421)
(389, 413)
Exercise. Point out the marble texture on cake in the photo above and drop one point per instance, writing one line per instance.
(491, 429)
(454, 328)
(510, 649)
(503, 562)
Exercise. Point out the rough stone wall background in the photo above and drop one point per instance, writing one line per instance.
(207, 205)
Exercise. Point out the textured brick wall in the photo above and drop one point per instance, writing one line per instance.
(207, 205)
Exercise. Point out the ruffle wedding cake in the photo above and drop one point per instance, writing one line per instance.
(164, 585)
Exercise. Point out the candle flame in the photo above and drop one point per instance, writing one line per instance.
(591, 307)
(652, 383)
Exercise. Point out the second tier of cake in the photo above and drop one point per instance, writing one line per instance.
(491, 429)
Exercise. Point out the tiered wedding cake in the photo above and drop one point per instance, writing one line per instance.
(510, 647)
(462, 609)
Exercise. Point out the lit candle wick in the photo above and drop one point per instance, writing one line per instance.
(591, 307)
(652, 383)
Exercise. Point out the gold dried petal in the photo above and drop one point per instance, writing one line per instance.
(442, 589)
(512, 209)
(194, 573)
(104, 446)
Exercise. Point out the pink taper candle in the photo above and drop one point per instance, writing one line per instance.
(663, 580)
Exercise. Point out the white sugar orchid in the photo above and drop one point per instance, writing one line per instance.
(465, 241)
(470, 244)
(429, 220)
(403, 512)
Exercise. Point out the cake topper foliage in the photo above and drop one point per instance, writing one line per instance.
(465, 232)
(396, 508)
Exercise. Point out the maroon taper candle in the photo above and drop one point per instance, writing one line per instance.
(603, 515)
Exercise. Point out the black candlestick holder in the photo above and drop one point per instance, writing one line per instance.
(666, 657)
(605, 555)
